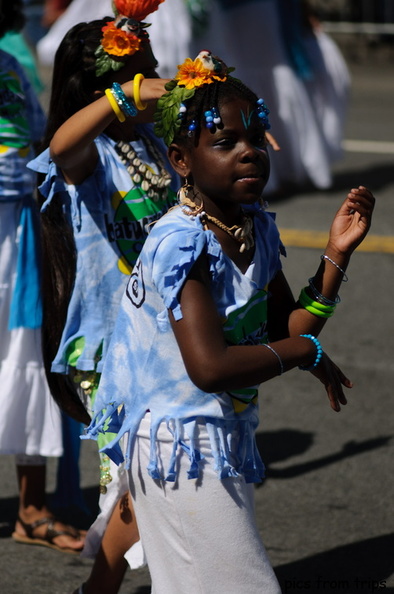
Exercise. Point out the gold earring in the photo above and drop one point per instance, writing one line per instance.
(187, 197)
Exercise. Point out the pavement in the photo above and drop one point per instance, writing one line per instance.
(325, 510)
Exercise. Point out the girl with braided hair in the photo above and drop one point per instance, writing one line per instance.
(215, 318)
(104, 178)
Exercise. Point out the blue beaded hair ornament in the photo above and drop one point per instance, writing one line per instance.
(192, 74)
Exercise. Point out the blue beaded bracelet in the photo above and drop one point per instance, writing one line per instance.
(126, 105)
(319, 352)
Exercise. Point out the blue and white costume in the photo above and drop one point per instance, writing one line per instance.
(29, 419)
(187, 433)
(149, 373)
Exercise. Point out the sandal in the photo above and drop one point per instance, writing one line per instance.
(50, 535)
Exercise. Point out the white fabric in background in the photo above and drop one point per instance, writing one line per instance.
(170, 31)
(306, 120)
(29, 418)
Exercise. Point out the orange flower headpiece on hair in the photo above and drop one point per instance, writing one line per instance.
(192, 74)
(123, 36)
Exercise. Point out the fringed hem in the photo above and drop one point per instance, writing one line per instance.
(232, 444)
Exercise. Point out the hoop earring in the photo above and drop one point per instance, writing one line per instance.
(187, 197)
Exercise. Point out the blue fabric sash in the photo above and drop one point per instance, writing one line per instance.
(26, 304)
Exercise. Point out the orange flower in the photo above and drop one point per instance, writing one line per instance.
(136, 9)
(117, 42)
(192, 74)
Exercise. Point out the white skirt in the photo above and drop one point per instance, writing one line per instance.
(30, 420)
(198, 535)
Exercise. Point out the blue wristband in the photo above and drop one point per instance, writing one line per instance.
(319, 352)
(126, 105)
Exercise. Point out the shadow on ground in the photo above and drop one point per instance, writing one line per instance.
(277, 446)
(359, 567)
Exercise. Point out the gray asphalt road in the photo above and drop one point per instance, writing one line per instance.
(326, 508)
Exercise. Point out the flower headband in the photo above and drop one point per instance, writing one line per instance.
(123, 36)
(193, 74)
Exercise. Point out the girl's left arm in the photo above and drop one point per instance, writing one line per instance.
(215, 366)
(350, 226)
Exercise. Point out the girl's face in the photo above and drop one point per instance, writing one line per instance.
(230, 166)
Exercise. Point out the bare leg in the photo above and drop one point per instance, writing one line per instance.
(110, 565)
(32, 507)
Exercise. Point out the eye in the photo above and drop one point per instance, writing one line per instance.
(259, 140)
(225, 142)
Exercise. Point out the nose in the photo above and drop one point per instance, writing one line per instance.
(250, 153)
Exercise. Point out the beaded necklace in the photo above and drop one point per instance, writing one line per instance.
(154, 185)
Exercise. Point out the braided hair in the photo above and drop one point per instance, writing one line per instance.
(73, 86)
(206, 98)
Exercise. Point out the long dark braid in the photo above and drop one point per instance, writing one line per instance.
(73, 86)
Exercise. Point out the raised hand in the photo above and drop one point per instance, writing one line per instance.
(352, 221)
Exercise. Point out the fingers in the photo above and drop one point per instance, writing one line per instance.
(361, 200)
(152, 88)
(334, 380)
(335, 392)
(272, 141)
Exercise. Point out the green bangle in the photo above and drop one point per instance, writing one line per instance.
(305, 301)
(317, 312)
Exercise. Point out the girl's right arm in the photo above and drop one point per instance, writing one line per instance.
(214, 366)
(72, 146)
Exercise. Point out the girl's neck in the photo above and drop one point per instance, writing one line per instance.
(228, 213)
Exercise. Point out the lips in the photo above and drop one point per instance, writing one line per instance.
(250, 177)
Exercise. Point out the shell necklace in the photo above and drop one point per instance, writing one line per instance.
(243, 234)
(155, 186)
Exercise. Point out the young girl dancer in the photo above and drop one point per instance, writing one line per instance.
(215, 318)
(106, 180)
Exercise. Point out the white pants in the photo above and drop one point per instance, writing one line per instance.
(199, 535)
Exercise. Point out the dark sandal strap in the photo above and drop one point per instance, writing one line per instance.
(51, 531)
(29, 528)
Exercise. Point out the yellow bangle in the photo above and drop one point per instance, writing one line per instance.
(112, 101)
(136, 92)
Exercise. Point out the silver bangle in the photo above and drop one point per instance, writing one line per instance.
(345, 277)
(281, 368)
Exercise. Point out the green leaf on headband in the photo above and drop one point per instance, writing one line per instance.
(167, 120)
(104, 62)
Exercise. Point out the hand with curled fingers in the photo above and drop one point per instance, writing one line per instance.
(352, 221)
(333, 379)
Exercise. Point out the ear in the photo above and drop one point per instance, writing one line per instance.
(179, 157)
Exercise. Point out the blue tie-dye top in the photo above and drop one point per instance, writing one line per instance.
(144, 369)
(110, 217)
